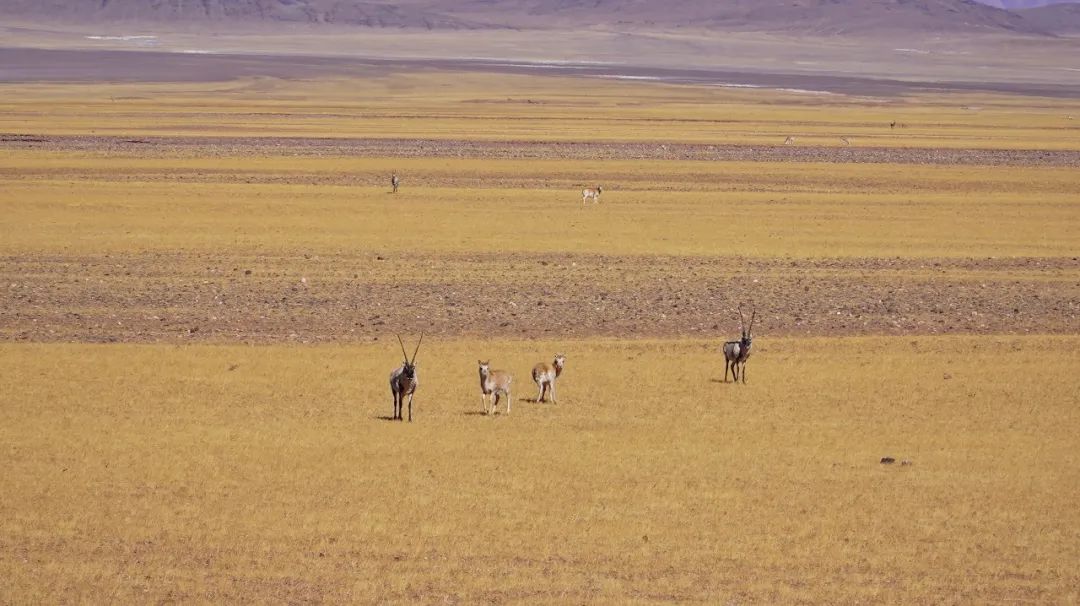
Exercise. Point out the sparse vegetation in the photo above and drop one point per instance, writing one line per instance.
(149, 473)
(151, 454)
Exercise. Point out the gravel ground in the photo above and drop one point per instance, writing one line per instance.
(525, 150)
(259, 299)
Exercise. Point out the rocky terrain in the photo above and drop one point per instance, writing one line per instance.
(452, 148)
(163, 297)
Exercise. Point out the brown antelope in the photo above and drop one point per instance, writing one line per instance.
(586, 194)
(789, 141)
(494, 384)
(737, 352)
(545, 374)
(395, 182)
(403, 380)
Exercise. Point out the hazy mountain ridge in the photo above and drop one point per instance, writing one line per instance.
(1057, 18)
(1014, 5)
(342, 12)
(821, 16)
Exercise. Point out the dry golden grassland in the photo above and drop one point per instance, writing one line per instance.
(223, 472)
(516, 107)
(154, 473)
(54, 202)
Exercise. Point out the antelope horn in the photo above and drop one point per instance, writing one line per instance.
(402, 348)
(417, 348)
(752, 316)
(742, 320)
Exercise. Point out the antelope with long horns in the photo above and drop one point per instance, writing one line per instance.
(395, 182)
(593, 194)
(494, 384)
(736, 353)
(403, 380)
(544, 375)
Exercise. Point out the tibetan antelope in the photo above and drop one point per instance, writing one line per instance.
(737, 352)
(403, 380)
(586, 194)
(845, 141)
(545, 374)
(395, 182)
(494, 384)
(789, 141)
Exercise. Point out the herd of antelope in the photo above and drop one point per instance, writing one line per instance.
(495, 384)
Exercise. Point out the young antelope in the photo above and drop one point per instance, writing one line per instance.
(544, 375)
(494, 384)
(594, 194)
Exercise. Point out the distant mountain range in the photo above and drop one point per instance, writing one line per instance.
(866, 17)
(1062, 18)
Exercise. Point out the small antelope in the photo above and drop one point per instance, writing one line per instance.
(591, 193)
(789, 141)
(494, 384)
(845, 141)
(544, 375)
(403, 380)
(736, 353)
(395, 182)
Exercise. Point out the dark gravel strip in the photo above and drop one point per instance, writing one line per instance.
(417, 148)
(351, 298)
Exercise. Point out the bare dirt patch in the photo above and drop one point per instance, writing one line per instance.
(149, 147)
(351, 298)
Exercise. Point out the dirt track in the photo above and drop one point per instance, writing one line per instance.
(214, 298)
(522, 150)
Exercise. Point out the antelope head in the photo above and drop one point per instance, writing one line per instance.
(747, 331)
(409, 366)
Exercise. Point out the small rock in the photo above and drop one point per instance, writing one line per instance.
(887, 460)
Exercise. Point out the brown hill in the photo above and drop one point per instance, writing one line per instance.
(1059, 18)
(797, 16)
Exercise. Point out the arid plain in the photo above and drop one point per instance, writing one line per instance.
(200, 284)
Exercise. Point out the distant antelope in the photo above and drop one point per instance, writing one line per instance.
(544, 375)
(591, 193)
(789, 141)
(395, 182)
(737, 352)
(403, 380)
(892, 124)
(845, 141)
(493, 384)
